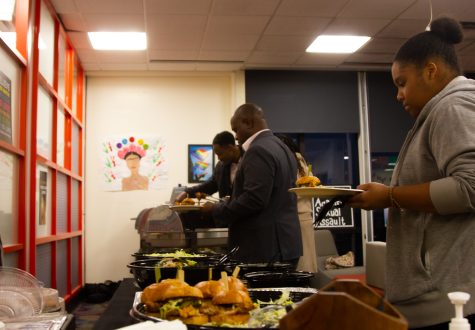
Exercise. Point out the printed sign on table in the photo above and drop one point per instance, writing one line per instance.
(336, 217)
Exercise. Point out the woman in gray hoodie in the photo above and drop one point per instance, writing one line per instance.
(431, 229)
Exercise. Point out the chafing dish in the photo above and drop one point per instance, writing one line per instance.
(161, 227)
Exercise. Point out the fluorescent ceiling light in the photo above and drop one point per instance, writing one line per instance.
(337, 44)
(118, 40)
(6, 10)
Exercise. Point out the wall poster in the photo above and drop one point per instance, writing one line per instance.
(5, 108)
(133, 163)
(200, 162)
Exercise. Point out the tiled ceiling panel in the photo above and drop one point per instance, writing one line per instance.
(311, 8)
(383, 45)
(108, 7)
(356, 26)
(223, 55)
(383, 9)
(245, 7)
(183, 7)
(281, 58)
(284, 43)
(268, 34)
(244, 42)
(403, 28)
(295, 25)
(178, 55)
(115, 22)
(73, 22)
(463, 10)
(235, 25)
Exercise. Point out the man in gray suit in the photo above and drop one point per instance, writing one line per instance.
(261, 214)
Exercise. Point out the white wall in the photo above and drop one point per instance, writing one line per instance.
(181, 108)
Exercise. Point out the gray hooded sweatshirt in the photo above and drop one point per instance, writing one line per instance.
(431, 254)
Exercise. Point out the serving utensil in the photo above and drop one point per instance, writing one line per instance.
(216, 199)
(226, 257)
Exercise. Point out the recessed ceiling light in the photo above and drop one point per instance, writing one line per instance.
(118, 40)
(337, 44)
(6, 10)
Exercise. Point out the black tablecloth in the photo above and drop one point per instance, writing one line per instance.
(117, 313)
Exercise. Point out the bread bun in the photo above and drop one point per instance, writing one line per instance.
(238, 298)
(247, 303)
(169, 289)
(236, 284)
(230, 318)
(172, 299)
(210, 288)
(308, 181)
(195, 320)
(187, 201)
(229, 297)
(180, 291)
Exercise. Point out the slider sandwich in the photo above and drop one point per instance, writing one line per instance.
(308, 181)
(226, 301)
(174, 299)
(187, 201)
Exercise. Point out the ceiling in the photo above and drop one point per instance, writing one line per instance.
(214, 35)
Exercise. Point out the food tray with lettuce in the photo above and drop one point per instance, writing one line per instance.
(271, 304)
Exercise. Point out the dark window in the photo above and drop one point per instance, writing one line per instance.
(334, 160)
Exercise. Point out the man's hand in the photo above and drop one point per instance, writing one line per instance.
(181, 197)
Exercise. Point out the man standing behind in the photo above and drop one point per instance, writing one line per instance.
(228, 153)
(261, 214)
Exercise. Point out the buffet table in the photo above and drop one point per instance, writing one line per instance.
(117, 313)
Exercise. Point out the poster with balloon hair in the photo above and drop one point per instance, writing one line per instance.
(133, 163)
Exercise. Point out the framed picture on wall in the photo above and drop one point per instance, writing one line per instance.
(200, 162)
(43, 194)
(5, 108)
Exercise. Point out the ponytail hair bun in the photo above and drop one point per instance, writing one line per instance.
(447, 29)
(438, 42)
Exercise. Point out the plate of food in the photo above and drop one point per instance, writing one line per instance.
(221, 304)
(311, 186)
(180, 253)
(186, 205)
(185, 208)
(324, 191)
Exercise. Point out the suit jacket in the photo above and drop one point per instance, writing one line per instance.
(262, 214)
(219, 182)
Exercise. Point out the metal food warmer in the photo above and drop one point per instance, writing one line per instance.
(161, 229)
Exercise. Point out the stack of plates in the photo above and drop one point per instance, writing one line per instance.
(20, 294)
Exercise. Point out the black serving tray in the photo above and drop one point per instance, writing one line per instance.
(262, 294)
(144, 271)
(272, 279)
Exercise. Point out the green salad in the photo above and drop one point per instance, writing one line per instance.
(177, 254)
